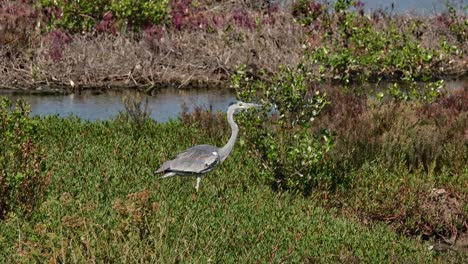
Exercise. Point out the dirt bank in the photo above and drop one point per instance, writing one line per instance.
(214, 40)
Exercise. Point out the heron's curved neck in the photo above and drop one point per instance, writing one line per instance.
(224, 151)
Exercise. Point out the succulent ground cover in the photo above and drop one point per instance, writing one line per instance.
(96, 198)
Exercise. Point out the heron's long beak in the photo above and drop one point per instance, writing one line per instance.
(249, 105)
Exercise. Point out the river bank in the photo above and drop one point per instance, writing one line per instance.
(212, 41)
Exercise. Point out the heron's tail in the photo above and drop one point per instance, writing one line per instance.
(167, 175)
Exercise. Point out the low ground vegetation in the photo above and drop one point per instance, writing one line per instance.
(394, 169)
(103, 203)
(322, 173)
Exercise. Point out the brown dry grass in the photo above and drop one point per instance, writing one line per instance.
(412, 164)
(431, 136)
(172, 58)
(189, 57)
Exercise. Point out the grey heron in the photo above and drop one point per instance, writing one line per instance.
(201, 159)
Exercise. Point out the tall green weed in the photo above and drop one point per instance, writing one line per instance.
(22, 177)
(136, 111)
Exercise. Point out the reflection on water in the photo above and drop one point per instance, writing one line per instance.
(164, 105)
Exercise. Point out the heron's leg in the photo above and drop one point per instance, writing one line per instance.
(198, 182)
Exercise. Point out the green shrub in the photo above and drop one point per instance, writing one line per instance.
(290, 148)
(22, 178)
(139, 12)
(79, 16)
(457, 23)
(362, 53)
(308, 11)
(76, 16)
(348, 46)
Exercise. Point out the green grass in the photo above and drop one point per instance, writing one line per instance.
(104, 204)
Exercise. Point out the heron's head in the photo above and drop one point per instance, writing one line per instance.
(239, 105)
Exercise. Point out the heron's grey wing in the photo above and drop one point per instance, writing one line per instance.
(198, 159)
(164, 167)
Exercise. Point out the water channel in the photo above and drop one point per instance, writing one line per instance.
(90, 105)
(164, 104)
(420, 7)
(167, 104)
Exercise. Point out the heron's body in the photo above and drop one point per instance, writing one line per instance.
(198, 160)
(195, 160)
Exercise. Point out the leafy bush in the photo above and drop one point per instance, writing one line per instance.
(76, 16)
(140, 12)
(307, 11)
(81, 16)
(360, 52)
(22, 179)
(347, 46)
(457, 23)
(285, 140)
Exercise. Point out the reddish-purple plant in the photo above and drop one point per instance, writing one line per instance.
(52, 12)
(16, 12)
(197, 21)
(17, 23)
(242, 19)
(108, 16)
(180, 12)
(308, 11)
(444, 19)
(185, 16)
(107, 24)
(177, 20)
(315, 7)
(269, 18)
(151, 32)
(56, 41)
(359, 5)
(218, 21)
